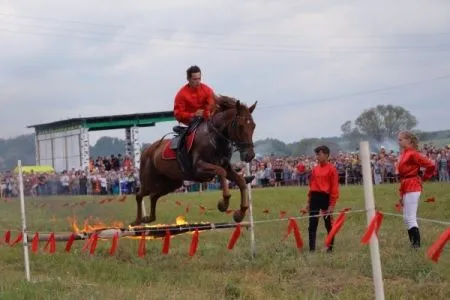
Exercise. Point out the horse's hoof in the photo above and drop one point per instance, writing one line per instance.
(238, 216)
(135, 223)
(222, 206)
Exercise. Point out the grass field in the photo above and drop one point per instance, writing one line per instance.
(279, 271)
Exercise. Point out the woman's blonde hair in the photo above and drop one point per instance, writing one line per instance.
(412, 138)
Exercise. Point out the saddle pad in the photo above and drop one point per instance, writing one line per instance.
(170, 154)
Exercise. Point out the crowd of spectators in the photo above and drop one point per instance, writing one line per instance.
(116, 175)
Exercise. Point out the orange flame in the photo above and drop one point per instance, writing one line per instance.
(89, 228)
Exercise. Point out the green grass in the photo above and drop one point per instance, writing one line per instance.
(279, 271)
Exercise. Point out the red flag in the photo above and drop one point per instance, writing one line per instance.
(187, 208)
(142, 244)
(194, 243)
(436, 249)
(266, 211)
(35, 243)
(374, 226)
(50, 246)
(293, 226)
(7, 237)
(87, 243)
(166, 244)
(202, 209)
(336, 227)
(70, 242)
(94, 243)
(178, 203)
(114, 242)
(17, 240)
(234, 237)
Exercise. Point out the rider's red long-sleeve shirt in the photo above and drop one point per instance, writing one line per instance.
(188, 100)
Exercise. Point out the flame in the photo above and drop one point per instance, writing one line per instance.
(98, 225)
(180, 220)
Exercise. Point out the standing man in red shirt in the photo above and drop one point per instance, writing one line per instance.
(323, 194)
(409, 165)
(193, 103)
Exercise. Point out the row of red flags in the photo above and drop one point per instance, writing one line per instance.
(433, 252)
(91, 243)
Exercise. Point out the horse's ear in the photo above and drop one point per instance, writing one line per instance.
(252, 108)
(238, 106)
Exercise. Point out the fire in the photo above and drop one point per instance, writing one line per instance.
(180, 220)
(99, 225)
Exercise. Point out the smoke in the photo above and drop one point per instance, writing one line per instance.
(264, 149)
(352, 144)
(388, 144)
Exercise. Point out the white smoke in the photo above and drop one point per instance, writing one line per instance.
(388, 144)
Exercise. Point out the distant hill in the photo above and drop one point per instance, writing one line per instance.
(23, 147)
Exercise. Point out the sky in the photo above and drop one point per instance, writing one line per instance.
(311, 65)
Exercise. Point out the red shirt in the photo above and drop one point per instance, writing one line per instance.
(188, 100)
(408, 169)
(324, 178)
(301, 168)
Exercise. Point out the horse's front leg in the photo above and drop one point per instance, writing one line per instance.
(206, 169)
(232, 175)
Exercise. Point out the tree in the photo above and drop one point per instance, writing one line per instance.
(385, 121)
(351, 136)
(346, 128)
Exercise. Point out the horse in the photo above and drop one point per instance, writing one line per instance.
(210, 149)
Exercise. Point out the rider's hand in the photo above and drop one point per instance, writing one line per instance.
(199, 113)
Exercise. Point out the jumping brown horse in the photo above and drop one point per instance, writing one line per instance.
(230, 125)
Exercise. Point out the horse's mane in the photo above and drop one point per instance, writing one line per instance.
(224, 103)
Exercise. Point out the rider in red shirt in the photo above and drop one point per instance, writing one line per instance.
(410, 163)
(195, 99)
(193, 103)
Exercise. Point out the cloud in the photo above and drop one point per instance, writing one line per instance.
(294, 57)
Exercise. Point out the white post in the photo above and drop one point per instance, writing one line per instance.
(24, 224)
(370, 207)
(120, 185)
(250, 213)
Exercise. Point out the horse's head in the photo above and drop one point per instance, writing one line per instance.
(239, 125)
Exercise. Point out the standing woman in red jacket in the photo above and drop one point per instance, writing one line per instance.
(410, 163)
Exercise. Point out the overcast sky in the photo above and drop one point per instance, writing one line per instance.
(306, 62)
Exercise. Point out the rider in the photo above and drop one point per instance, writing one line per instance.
(193, 102)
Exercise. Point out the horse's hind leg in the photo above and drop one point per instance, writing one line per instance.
(166, 186)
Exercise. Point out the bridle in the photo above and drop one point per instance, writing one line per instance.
(238, 145)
